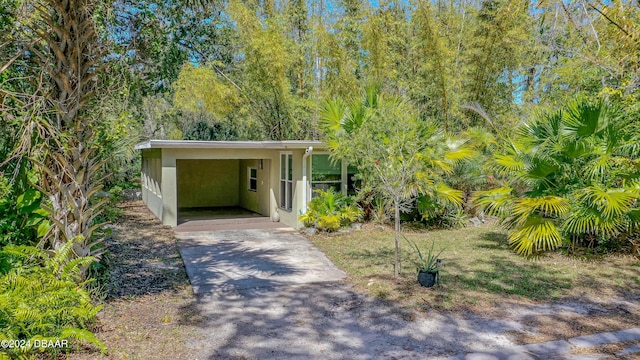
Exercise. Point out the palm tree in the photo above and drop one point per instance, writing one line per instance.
(570, 176)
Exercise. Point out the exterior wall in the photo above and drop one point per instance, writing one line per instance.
(249, 199)
(207, 183)
(152, 180)
(290, 218)
(169, 189)
(264, 187)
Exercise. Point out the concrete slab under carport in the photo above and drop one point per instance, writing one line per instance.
(230, 223)
(225, 260)
(222, 218)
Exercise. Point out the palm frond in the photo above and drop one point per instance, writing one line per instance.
(609, 202)
(583, 118)
(332, 115)
(496, 202)
(536, 235)
(449, 195)
(546, 206)
(583, 221)
(459, 153)
(506, 164)
(598, 168)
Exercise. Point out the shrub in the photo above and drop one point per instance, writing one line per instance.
(328, 211)
(110, 212)
(40, 299)
(570, 176)
(22, 221)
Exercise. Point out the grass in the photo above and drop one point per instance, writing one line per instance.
(479, 269)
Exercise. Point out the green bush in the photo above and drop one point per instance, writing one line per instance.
(22, 221)
(41, 300)
(111, 212)
(568, 177)
(438, 213)
(328, 211)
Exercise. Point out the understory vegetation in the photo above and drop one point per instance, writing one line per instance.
(570, 177)
(43, 300)
(328, 211)
(479, 271)
(451, 112)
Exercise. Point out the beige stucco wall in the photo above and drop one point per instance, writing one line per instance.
(207, 183)
(268, 194)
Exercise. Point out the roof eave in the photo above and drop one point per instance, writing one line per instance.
(196, 144)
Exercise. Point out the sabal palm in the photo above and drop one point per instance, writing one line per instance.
(569, 175)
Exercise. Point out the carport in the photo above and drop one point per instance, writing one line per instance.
(184, 180)
(221, 189)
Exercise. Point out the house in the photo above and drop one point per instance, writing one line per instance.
(264, 177)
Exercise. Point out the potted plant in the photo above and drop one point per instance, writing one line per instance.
(427, 266)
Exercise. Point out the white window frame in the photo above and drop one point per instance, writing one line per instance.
(249, 178)
(286, 196)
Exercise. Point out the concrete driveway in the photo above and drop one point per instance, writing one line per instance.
(224, 260)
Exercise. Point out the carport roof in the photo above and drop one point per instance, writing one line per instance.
(196, 144)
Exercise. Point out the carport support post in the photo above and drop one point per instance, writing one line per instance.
(305, 184)
(169, 190)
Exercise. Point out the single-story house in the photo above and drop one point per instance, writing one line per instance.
(264, 177)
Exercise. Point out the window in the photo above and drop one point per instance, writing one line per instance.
(325, 175)
(253, 178)
(286, 181)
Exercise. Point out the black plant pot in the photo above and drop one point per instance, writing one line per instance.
(427, 278)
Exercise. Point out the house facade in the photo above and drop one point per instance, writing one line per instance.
(271, 178)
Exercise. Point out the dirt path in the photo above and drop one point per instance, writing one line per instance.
(152, 314)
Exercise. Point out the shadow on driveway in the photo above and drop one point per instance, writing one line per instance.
(246, 259)
(271, 294)
(331, 321)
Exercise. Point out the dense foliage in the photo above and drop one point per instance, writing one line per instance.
(328, 211)
(570, 176)
(22, 221)
(41, 301)
(263, 69)
(398, 155)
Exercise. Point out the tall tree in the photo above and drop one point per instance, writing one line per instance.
(267, 60)
(433, 66)
(492, 59)
(66, 57)
(386, 43)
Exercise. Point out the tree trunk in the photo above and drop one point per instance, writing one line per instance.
(72, 54)
(396, 268)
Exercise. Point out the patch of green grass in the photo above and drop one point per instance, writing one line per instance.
(479, 269)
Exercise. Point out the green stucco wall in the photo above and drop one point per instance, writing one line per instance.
(249, 199)
(151, 173)
(207, 183)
